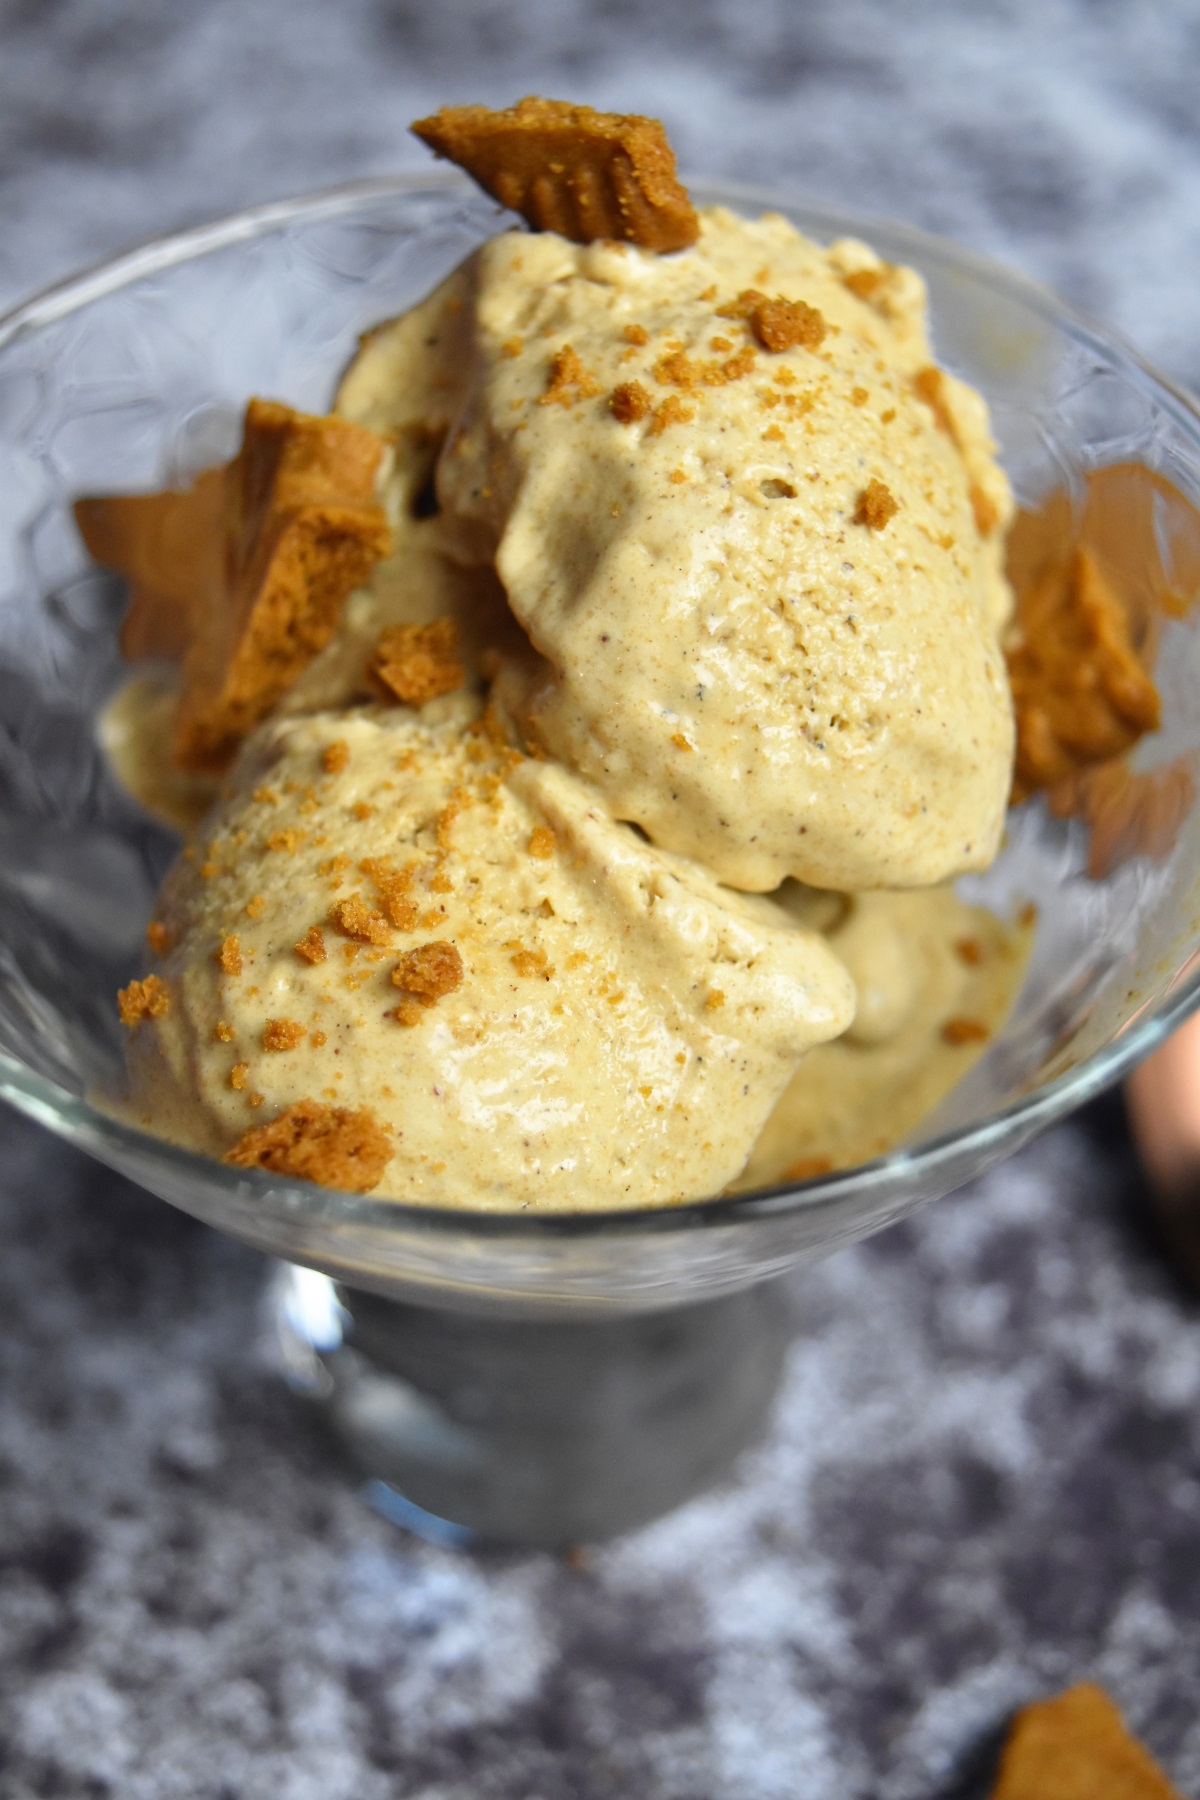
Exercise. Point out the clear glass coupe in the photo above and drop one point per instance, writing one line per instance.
(546, 1378)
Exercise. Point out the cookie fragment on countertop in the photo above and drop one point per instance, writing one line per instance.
(335, 1146)
(571, 169)
(1076, 1747)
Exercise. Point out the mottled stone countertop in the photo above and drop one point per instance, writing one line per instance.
(983, 1480)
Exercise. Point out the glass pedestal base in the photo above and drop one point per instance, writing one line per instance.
(532, 1431)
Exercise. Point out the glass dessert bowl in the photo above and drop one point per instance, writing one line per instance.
(544, 1377)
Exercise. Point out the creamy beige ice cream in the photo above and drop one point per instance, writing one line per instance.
(597, 1023)
(767, 583)
(935, 980)
(754, 538)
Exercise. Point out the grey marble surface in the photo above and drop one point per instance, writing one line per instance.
(983, 1480)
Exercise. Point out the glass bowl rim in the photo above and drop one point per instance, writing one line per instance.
(114, 1142)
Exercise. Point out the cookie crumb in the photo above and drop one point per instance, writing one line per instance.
(229, 955)
(530, 963)
(312, 945)
(223, 1032)
(146, 999)
(158, 937)
(958, 1031)
(427, 972)
(781, 324)
(238, 1075)
(335, 756)
(333, 1146)
(288, 840)
(416, 663)
(282, 1034)
(636, 334)
(876, 506)
(355, 919)
(629, 401)
(930, 386)
(542, 842)
(969, 950)
(568, 380)
(671, 411)
(714, 1000)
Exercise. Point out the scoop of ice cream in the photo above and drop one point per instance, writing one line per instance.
(398, 913)
(753, 530)
(936, 979)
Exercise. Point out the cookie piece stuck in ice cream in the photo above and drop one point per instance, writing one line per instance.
(571, 169)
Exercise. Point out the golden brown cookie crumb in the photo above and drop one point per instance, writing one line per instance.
(965, 1031)
(570, 169)
(1080, 693)
(1076, 1747)
(392, 886)
(355, 919)
(636, 334)
(256, 906)
(335, 756)
(331, 1145)
(288, 840)
(531, 963)
(930, 386)
(781, 324)
(224, 1032)
(629, 401)
(146, 999)
(229, 955)
(312, 945)
(542, 842)
(671, 411)
(238, 1076)
(282, 1034)
(568, 380)
(714, 1000)
(969, 950)
(416, 663)
(158, 937)
(429, 971)
(876, 506)
(866, 282)
(680, 742)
